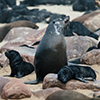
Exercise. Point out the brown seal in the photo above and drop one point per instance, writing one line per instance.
(69, 95)
(7, 27)
(51, 52)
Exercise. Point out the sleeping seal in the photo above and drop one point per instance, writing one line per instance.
(78, 72)
(69, 95)
(51, 54)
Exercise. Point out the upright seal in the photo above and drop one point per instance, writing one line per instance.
(51, 52)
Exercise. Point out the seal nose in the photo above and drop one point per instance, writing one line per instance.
(67, 19)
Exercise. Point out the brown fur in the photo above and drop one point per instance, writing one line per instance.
(85, 17)
(69, 95)
(6, 28)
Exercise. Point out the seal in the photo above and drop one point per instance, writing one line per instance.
(78, 72)
(51, 54)
(19, 68)
(7, 27)
(69, 95)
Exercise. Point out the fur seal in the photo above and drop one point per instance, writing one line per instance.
(6, 28)
(51, 54)
(94, 47)
(78, 72)
(18, 67)
(69, 95)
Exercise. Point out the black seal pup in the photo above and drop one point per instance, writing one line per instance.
(69, 95)
(18, 67)
(51, 54)
(94, 47)
(78, 72)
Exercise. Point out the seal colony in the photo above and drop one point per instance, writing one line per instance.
(51, 55)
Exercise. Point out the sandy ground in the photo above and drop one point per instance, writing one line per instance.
(67, 10)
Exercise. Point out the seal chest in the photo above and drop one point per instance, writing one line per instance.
(51, 52)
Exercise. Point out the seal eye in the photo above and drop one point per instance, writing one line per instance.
(53, 22)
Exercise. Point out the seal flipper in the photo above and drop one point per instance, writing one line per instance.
(35, 81)
(80, 79)
(32, 82)
(89, 78)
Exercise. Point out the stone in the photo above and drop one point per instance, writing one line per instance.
(3, 82)
(91, 57)
(50, 80)
(28, 36)
(78, 45)
(3, 59)
(15, 89)
(45, 92)
(21, 42)
(7, 27)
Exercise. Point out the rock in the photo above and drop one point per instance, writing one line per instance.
(46, 92)
(7, 27)
(15, 89)
(22, 43)
(3, 82)
(27, 37)
(90, 21)
(96, 94)
(50, 80)
(91, 57)
(3, 59)
(26, 33)
(78, 45)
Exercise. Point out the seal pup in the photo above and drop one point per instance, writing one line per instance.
(69, 95)
(51, 54)
(19, 68)
(78, 72)
(7, 27)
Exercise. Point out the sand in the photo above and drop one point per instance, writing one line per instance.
(67, 10)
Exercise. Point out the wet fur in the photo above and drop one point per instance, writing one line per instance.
(78, 72)
(51, 54)
(19, 68)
